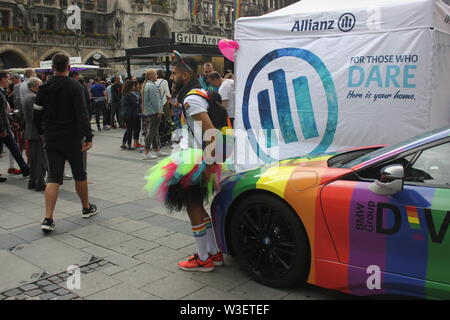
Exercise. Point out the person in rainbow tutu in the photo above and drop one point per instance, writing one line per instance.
(189, 177)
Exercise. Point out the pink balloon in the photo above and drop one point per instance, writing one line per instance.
(227, 47)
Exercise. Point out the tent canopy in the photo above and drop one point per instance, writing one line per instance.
(317, 18)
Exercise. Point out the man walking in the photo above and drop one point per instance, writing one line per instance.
(6, 135)
(116, 97)
(36, 145)
(60, 105)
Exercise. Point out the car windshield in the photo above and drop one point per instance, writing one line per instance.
(339, 160)
(393, 147)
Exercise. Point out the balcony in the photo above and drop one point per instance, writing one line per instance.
(160, 9)
(14, 37)
(19, 36)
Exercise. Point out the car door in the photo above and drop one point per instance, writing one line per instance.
(403, 234)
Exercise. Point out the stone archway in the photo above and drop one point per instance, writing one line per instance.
(13, 58)
(48, 55)
(93, 57)
(160, 29)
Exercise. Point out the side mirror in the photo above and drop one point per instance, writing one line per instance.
(391, 181)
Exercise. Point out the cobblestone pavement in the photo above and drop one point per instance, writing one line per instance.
(129, 251)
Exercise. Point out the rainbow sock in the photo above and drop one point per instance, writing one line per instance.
(211, 244)
(200, 235)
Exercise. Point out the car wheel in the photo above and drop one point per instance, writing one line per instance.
(270, 241)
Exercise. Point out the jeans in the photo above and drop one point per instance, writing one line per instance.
(133, 128)
(137, 129)
(11, 144)
(115, 111)
(107, 115)
(100, 108)
(153, 133)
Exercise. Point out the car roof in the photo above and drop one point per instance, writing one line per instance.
(410, 144)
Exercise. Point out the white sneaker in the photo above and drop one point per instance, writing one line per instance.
(67, 176)
(149, 156)
(162, 154)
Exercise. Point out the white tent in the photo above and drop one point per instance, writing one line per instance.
(332, 74)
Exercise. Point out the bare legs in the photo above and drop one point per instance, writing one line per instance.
(51, 196)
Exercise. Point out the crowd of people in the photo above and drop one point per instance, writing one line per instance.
(146, 107)
(49, 119)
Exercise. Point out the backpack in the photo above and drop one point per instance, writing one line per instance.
(218, 115)
(216, 111)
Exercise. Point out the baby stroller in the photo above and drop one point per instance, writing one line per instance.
(17, 123)
(166, 128)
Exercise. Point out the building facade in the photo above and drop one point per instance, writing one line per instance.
(216, 17)
(32, 31)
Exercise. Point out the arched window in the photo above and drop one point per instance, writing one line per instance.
(11, 59)
(160, 30)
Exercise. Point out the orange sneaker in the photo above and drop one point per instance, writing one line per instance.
(195, 264)
(217, 259)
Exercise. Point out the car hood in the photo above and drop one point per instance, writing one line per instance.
(276, 177)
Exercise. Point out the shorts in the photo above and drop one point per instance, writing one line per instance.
(58, 152)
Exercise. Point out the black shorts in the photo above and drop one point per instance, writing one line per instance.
(58, 152)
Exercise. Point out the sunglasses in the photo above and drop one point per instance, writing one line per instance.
(179, 59)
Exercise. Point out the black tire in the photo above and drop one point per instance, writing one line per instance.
(279, 256)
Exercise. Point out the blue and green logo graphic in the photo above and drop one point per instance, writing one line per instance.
(304, 107)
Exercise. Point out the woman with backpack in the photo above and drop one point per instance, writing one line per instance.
(129, 110)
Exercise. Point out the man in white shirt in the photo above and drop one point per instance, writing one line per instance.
(195, 105)
(164, 93)
(226, 91)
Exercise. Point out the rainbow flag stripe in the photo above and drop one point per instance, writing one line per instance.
(193, 7)
(237, 9)
(413, 217)
(199, 231)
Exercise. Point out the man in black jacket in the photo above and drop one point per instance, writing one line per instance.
(116, 97)
(6, 135)
(60, 108)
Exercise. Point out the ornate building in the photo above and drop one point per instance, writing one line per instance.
(33, 30)
(216, 17)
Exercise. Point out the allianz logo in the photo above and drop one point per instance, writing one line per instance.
(346, 23)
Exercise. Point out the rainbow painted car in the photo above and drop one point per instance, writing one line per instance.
(367, 221)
